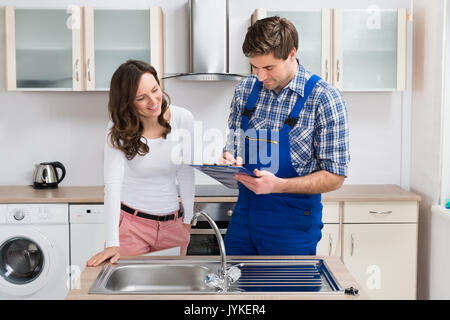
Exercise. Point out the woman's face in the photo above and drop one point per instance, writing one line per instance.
(148, 97)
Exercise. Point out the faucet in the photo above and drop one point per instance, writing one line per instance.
(227, 276)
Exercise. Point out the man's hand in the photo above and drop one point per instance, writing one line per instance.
(266, 182)
(228, 158)
(318, 182)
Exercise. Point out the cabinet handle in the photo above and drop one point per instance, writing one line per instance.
(338, 68)
(352, 248)
(330, 244)
(380, 212)
(89, 69)
(326, 70)
(77, 77)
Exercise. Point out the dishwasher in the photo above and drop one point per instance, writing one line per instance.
(87, 235)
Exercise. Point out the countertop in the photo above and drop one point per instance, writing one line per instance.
(341, 273)
(204, 193)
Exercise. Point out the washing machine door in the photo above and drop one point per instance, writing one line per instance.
(25, 261)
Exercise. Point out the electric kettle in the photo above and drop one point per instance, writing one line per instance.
(46, 175)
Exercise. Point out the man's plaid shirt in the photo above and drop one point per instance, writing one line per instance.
(319, 140)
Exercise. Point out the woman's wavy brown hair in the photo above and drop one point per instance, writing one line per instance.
(127, 128)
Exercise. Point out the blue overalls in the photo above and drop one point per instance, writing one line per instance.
(277, 223)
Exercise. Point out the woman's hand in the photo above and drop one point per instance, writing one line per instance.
(111, 253)
(187, 226)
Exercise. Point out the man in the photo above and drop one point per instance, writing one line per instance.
(290, 129)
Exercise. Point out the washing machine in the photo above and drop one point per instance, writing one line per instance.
(34, 251)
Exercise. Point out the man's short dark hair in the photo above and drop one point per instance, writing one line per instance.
(271, 35)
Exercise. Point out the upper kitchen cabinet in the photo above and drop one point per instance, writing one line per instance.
(115, 36)
(313, 28)
(355, 50)
(370, 49)
(78, 48)
(43, 49)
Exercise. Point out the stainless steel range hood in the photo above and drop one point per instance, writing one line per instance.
(208, 43)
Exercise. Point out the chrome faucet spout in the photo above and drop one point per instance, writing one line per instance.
(223, 255)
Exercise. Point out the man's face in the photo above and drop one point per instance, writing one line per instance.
(273, 72)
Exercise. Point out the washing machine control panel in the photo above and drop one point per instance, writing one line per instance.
(35, 213)
(19, 214)
(89, 213)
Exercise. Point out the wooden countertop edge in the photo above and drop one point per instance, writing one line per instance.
(94, 194)
(343, 276)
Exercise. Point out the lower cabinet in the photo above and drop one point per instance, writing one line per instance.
(330, 238)
(330, 231)
(377, 241)
(380, 247)
(382, 258)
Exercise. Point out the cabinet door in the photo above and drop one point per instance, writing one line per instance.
(313, 27)
(115, 36)
(382, 258)
(43, 49)
(328, 245)
(370, 49)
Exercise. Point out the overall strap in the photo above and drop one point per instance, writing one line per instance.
(249, 107)
(292, 118)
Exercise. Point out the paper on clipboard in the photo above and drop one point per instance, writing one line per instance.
(223, 173)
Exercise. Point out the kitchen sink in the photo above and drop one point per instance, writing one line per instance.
(167, 276)
(136, 278)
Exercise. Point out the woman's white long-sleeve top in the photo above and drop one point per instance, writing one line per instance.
(149, 183)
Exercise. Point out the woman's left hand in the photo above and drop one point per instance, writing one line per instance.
(187, 226)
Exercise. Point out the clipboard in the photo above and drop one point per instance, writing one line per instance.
(223, 173)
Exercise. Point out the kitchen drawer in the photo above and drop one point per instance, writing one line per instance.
(330, 212)
(381, 212)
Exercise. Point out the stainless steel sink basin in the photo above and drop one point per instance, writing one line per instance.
(160, 278)
(132, 277)
(166, 276)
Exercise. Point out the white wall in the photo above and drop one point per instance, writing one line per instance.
(438, 258)
(70, 126)
(427, 102)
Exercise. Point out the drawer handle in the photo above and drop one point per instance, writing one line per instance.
(77, 71)
(352, 249)
(89, 69)
(380, 212)
(330, 244)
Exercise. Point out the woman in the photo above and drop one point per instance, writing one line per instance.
(143, 159)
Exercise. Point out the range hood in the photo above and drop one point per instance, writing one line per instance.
(208, 42)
